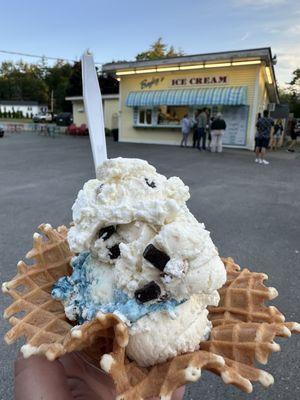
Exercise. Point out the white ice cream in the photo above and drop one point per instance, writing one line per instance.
(145, 208)
(157, 337)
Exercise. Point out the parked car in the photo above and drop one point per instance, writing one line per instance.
(42, 118)
(64, 119)
(1, 131)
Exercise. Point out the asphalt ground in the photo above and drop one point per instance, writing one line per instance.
(252, 212)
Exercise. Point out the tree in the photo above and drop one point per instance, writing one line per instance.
(57, 81)
(158, 49)
(21, 81)
(37, 82)
(75, 81)
(291, 94)
(108, 84)
(295, 82)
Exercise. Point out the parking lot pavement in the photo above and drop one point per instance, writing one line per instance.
(251, 210)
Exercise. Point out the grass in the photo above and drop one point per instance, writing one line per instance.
(17, 120)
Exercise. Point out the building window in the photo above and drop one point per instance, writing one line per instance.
(145, 116)
(29, 108)
(170, 115)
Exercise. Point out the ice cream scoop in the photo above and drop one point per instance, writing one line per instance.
(143, 256)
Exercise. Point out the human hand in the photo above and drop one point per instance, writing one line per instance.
(68, 378)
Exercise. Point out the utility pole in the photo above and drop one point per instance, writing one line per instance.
(52, 102)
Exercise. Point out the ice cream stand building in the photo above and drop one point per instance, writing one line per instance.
(155, 94)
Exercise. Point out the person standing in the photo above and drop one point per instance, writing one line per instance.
(264, 126)
(278, 129)
(185, 129)
(201, 129)
(293, 135)
(218, 127)
(195, 127)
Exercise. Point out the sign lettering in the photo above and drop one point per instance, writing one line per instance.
(199, 80)
(148, 83)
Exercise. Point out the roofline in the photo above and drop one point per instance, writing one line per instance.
(247, 53)
(104, 97)
(264, 53)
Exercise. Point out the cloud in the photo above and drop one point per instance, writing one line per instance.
(258, 3)
(288, 61)
(244, 37)
(293, 30)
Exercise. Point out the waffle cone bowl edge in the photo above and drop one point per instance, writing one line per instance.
(243, 330)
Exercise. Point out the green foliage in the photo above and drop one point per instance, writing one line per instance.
(158, 49)
(291, 94)
(57, 80)
(38, 82)
(22, 81)
(75, 81)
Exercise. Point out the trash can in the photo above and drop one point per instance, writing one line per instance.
(115, 134)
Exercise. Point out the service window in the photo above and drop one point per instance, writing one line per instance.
(145, 116)
(169, 115)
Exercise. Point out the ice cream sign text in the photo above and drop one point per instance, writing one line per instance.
(148, 83)
(199, 80)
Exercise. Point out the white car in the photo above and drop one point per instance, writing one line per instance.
(42, 118)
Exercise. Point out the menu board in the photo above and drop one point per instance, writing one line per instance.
(236, 118)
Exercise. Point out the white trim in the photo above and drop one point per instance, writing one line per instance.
(254, 107)
(74, 98)
(104, 97)
(120, 112)
(110, 96)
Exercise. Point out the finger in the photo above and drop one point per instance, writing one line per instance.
(86, 381)
(37, 378)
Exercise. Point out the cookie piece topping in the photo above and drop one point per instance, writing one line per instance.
(150, 291)
(105, 233)
(156, 257)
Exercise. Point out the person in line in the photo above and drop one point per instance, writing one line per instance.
(277, 134)
(185, 129)
(264, 126)
(210, 119)
(201, 129)
(218, 127)
(293, 135)
(195, 126)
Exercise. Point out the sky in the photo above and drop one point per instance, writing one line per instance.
(118, 30)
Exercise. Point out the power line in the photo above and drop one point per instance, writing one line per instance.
(18, 53)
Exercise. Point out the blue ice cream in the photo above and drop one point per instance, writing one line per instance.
(75, 293)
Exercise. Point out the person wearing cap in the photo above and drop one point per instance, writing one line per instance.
(218, 127)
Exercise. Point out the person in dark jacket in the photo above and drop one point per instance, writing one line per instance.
(264, 129)
(218, 127)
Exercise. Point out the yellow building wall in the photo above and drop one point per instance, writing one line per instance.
(111, 111)
(263, 97)
(236, 76)
(79, 116)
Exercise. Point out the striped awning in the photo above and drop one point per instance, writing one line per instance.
(233, 96)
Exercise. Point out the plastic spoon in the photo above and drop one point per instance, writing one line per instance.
(93, 109)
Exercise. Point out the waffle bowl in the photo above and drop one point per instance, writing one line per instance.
(243, 330)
